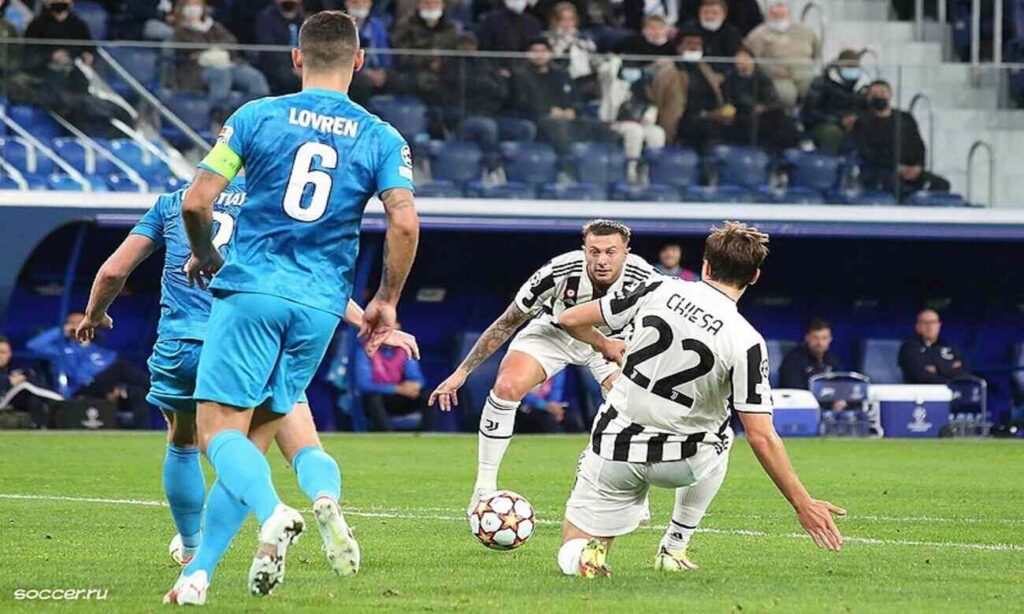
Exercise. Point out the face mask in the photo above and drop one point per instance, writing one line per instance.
(692, 55)
(879, 104)
(289, 6)
(779, 25)
(360, 14)
(849, 73)
(59, 7)
(431, 15)
(516, 6)
(711, 26)
(192, 12)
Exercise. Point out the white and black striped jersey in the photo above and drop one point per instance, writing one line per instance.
(563, 283)
(692, 359)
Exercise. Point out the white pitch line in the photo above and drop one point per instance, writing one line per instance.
(399, 515)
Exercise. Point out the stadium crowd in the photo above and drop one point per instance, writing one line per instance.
(644, 73)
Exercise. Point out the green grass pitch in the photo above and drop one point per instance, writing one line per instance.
(933, 526)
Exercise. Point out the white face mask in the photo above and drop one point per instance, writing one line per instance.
(712, 26)
(192, 12)
(430, 15)
(692, 55)
(658, 42)
(516, 6)
(779, 25)
(360, 13)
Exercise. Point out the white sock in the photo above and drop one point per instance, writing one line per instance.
(569, 556)
(497, 421)
(691, 504)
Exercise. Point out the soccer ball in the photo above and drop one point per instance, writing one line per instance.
(503, 520)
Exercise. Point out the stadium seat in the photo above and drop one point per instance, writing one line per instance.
(455, 161)
(797, 196)
(141, 63)
(530, 163)
(808, 169)
(94, 16)
(513, 190)
(6, 183)
(573, 191)
(645, 193)
(71, 151)
(194, 110)
(406, 113)
(861, 197)
(62, 182)
(742, 166)
(516, 129)
(439, 189)
(719, 194)
(174, 183)
(880, 360)
(35, 120)
(777, 350)
(924, 198)
(674, 166)
(24, 157)
(598, 163)
(118, 182)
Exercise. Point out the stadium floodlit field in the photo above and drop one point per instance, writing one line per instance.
(933, 526)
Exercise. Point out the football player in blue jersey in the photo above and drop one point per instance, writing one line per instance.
(182, 327)
(312, 160)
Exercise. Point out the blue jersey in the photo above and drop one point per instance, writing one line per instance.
(184, 310)
(312, 161)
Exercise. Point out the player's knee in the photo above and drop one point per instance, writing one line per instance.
(510, 388)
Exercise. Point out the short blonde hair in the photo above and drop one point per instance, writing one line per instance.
(734, 253)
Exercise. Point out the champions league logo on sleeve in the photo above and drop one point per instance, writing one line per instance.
(407, 156)
(225, 134)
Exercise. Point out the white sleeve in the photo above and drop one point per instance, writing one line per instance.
(619, 309)
(538, 289)
(751, 391)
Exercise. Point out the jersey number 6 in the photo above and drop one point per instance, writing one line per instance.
(665, 387)
(304, 174)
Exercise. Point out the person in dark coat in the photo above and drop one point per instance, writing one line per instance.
(758, 117)
(927, 358)
(477, 90)
(833, 103)
(508, 28)
(278, 24)
(428, 30)
(810, 358)
(721, 39)
(57, 21)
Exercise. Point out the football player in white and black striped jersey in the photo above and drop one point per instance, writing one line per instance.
(691, 361)
(603, 266)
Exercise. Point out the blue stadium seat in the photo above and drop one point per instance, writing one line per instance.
(654, 192)
(675, 166)
(516, 129)
(118, 182)
(406, 113)
(455, 161)
(24, 157)
(719, 194)
(861, 197)
(439, 189)
(141, 63)
(36, 182)
(797, 196)
(513, 190)
(174, 183)
(531, 163)
(598, 163)
(777, 350)
(924, 198)
(62, 182)
(34, 119)
(880, 360)
(742, 166)
(94, 16)
(193, 109)
(808, 169)
(6, 183)
(573, 191)
(71, 151)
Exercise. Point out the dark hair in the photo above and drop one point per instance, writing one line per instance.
(734, 253)
(540, 40)
(603, 228)
(328, 40)
(4, 339)
(880, 83)
(746, 50)
(817, 324)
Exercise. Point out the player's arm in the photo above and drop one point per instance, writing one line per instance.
(197, 212)
(110, 281)
(579, 321)
(397, 338)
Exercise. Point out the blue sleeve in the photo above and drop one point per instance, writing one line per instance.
(49, 344)
(151, 225)
(237, 134)
(394, 162)
(364, 377)
(535, 401)
(413, 372)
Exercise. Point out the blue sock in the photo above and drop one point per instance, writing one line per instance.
(244, 472)
(318, 473)
(224, 517)
(185, 487)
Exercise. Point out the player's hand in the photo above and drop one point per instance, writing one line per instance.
(379, 322)
(86, 330)
(403, 340)
(816, 519)
(201, 270)
(613, 350)
(447, 394)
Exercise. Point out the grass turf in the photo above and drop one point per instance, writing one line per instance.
(934, 526)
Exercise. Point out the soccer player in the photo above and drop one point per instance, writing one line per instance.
(603, 265)
(313, 160)
(182, 327)
(691, 360)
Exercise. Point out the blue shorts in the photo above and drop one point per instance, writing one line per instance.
(260, 346)
(172, 374)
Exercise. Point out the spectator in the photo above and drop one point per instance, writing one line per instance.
(757, 117)
(721, 39)
(926, 358)
(670, 262)
(792, 48)
(810, 358)
(575, 52)
(833, 103)
(477, 88)
(543, 410)
(507, 28)
(881, 134)
(652, 41)
(428, 30)
(691, 107)
(278, 24)
(20, 390)
(636, 122)
(57, 21)
(373, 37)
(391, 384)
(403, 10)
(152, 20)
(213, 68)
(744, 15)
(546, 95)
(636, 12)
(89, 370)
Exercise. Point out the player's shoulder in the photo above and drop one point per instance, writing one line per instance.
(743, 334)
(569, 261)
(637, 263)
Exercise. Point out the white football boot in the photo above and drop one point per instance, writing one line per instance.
(189, 590)
(281, 530)
(673, 562)
(179, 553)
(339, 544)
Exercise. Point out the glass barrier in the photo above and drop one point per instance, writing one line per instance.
(560, 121)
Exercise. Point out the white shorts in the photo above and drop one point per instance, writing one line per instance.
(609, 497)
(554, 349)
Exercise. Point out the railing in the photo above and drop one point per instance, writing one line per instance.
(991, 171)
(46, 151)
(823, 27)
(997, 32)
(102, 152)
(930, 145)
